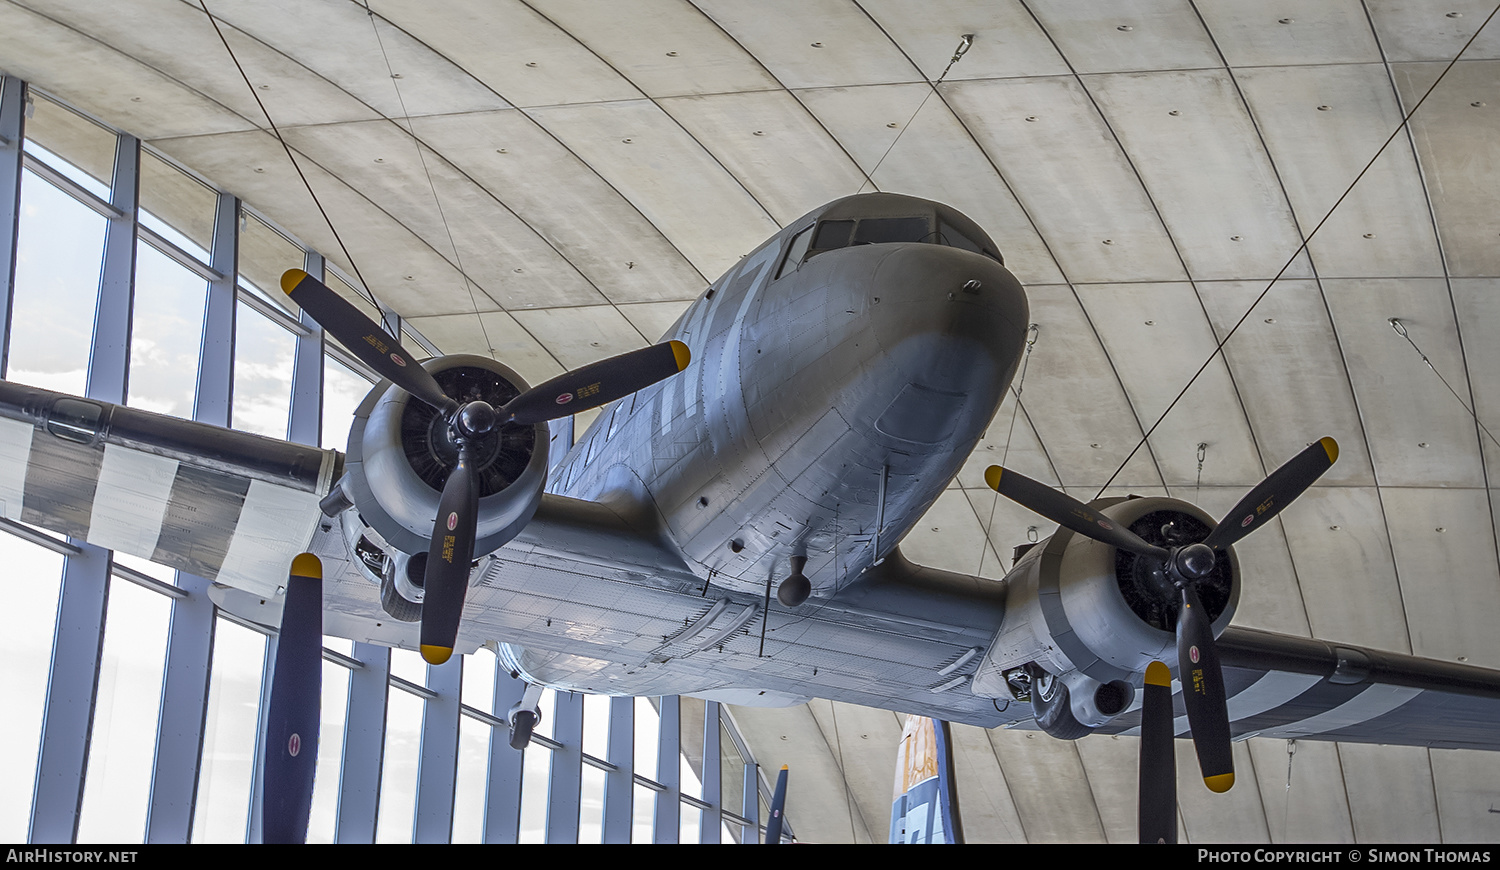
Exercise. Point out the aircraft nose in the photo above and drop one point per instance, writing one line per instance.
(947, 318)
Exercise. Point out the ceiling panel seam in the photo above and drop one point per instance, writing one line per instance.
(989, 737)
(275, 131)
(1088, 783)
(1177, 252)
(777, 79)
(255, 126)
(1437, 805)
(1119, 380)
(652, 100)
(838, 763)
(1447, 272)
(528, 116)
(1338, 754)
(1260, 793)
(497, 199)
(418, 236)
(130, 59)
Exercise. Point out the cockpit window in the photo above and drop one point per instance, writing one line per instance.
(833, 234)
(953, 237)
(795, 251)
(874, 231)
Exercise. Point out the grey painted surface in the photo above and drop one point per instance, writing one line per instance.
(201, 115)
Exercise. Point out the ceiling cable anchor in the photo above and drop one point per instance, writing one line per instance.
(964, 43)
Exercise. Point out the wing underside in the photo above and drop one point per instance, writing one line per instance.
(1294, 688)
(228, 506)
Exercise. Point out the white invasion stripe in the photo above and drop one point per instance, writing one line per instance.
(275, 524)
(668, 393)
(1372, 702)
(697, 340)
(729, 359)
(1267, 693)
(15, 452)
(131, 500)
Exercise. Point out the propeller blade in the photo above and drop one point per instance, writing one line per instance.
(1277, 491)
(1157, 817)
(449, 559)
(1203, 693)
(778, 806)
(597, 383)
(1068, 512)
(373, 345)
(291, 755)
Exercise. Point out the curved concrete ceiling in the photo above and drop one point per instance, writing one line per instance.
(551, 181)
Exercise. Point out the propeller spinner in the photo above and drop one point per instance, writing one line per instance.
(1184, 565)
(452, 546)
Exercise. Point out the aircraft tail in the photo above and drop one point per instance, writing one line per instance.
(925, 807)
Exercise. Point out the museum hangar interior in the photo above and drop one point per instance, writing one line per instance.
(551, 182)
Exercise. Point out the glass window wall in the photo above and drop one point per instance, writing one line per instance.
(60, 247)
(31, 609)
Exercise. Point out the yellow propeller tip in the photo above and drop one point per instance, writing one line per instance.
(1331, 447)
(1158, 674)
(290, 279)
(1219, 784)
(783, 767)
(681, 354)
(307, 565)
(992, 476)
(436, 655)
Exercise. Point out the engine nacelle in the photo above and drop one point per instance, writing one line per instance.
(401, 450)
(1094, 615)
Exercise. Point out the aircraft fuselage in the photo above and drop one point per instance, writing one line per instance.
(830, 400)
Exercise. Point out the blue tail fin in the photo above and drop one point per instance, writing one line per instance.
(925, 808)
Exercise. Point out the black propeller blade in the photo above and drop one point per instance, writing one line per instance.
(597, 383)
(373, 345)
(1068, 512)
(1156, 819)
(1197, 657)
(1274, 493)
(452, 549)
(291, 754)
(778, 806)
(448, 560)
(1203, 692)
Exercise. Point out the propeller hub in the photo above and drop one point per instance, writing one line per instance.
(476, 419)
(1195, 561)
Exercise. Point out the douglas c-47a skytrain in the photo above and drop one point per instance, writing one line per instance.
(729, 526)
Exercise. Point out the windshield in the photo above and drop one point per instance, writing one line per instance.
(831, 235)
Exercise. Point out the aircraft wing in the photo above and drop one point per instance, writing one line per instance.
(597, 603)
(590, 599)
(1288, 687)
(228, 506)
